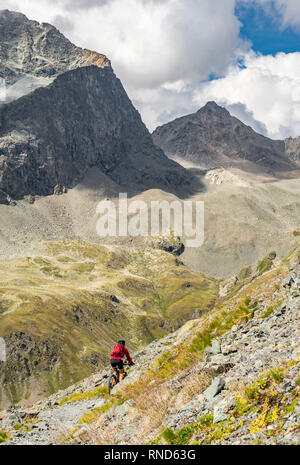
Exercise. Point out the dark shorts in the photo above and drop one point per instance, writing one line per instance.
(115, 362)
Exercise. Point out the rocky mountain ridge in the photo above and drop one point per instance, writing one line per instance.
(212, 138)
(31, 52)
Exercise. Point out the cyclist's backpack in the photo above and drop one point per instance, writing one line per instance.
(118, 350)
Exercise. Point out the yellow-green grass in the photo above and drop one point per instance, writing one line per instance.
(77, 396)
(4, 436)
(93, 415)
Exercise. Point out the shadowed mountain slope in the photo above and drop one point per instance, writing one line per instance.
(78, 116)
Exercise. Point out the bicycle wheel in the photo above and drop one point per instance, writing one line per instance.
(110, 383)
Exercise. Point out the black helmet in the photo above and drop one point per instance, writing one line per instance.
(121, 342)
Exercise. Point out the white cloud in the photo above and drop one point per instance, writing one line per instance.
(151, 43)
(269, 89)
(240, 111)
(288, 10)
(162, 104)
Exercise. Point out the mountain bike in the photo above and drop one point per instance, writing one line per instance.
(113, 379)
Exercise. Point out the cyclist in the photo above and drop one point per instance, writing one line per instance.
(116, 358)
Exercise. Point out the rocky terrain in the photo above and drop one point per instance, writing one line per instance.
(76, 115)
(230, 377)
(212, 138)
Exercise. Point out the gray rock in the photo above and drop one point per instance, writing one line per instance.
(226, 350)
(289, 386)
(272, 255)
(216, 347)
(288, 281)
(258, 363)
(208, 350)
(215, 388)
(220, 411)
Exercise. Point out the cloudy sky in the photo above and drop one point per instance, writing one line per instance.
(174, 55)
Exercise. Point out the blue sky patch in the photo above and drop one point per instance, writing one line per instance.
(265, 31)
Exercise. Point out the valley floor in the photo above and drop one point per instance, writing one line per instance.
(245, 217)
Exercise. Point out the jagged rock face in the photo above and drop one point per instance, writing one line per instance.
(212, 137)
(33, 54)
(292, 148)
(82, 119)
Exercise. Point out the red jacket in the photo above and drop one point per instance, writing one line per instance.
(121, 355)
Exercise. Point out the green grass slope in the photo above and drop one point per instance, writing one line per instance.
(61, 312)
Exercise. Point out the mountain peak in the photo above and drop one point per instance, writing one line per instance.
(213, 138)
(8, 14)
(213, 107)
